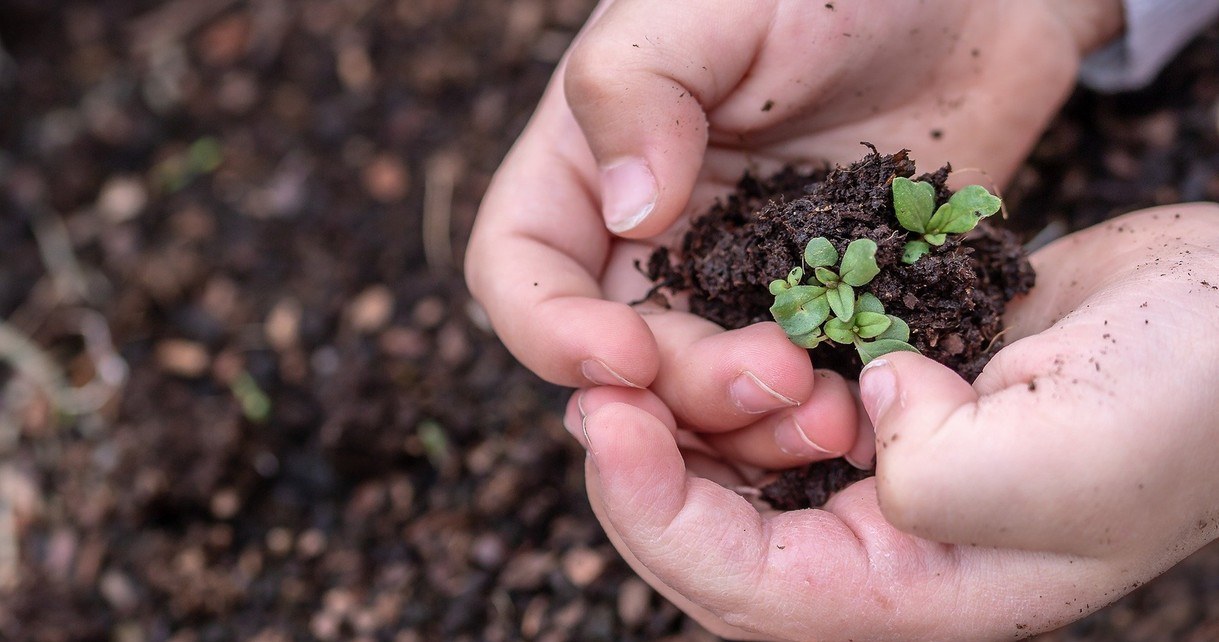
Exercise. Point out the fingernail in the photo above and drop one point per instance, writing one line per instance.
(628, 194)
(574, 422)
(791, 439)
(877, 388)
(588, 441)
(597, 372)
(753, 397)
(869, 465)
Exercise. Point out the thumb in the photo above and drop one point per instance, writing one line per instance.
(640, 82)
(904, 414)
(1001, 469)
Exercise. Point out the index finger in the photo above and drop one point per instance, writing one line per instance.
(535, 257)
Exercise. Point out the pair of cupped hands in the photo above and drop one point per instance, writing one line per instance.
(1080, 464)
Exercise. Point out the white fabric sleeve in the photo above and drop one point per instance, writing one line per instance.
(1156, 30)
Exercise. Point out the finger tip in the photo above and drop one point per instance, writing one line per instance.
(582, 341)
(621, 432)
(640, 473)
(764, 351)
(592, 399)
(829, 416)
(573, 417)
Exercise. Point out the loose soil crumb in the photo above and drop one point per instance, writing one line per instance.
(812, 485)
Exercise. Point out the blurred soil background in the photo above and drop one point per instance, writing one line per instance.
(244, 393)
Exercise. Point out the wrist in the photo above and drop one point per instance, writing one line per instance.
(1092, 23)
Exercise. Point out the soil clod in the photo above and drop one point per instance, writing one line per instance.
(953, 298)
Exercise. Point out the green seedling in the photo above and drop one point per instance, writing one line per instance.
(831, 291)
(827, 308)
(871, 331)
(255, 404)
(914, 203)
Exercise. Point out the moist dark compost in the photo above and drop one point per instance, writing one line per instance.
(953, 298)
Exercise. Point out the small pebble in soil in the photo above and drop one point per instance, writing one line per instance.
(122, 198)
(633, 597)
(183, 358)
(371, 309)
(386, 179)
(582, 565)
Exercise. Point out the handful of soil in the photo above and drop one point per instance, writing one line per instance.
(953, 298)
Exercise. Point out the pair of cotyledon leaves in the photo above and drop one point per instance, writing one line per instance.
(914, 204)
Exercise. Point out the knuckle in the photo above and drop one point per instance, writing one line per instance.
(901, 493)
(594, 74)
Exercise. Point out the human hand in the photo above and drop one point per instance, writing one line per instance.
(661, 106)
(1093, 431)
(1078, 466)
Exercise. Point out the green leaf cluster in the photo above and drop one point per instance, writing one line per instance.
(914, 203)
(827, 308)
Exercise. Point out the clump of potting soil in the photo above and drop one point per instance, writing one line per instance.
(743, 256)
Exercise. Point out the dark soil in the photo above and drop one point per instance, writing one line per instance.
(410, 482)
(953, 297)
(811, 486)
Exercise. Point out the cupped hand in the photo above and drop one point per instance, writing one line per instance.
(1096, 430)
(661, 106)
(1079, 465)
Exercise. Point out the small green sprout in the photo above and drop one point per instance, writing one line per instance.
(827, 309)
(836, 288)
(255, 404)
(887, 332)
(914, 203)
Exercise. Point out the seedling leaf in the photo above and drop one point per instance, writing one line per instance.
(869, 350)
(963, 211)
(914, 203)
(951, 219)
(840, 331)
(869, 325)
(913, 251)
(778, 286)
(935, 239)
(810, 340)
(962, 222)
(842, 301)
(975, 200)
(943, 214)
(801, 309)
(867, 302)
(898, 330)
(859, 263)
(826, 276)
(820, 253)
